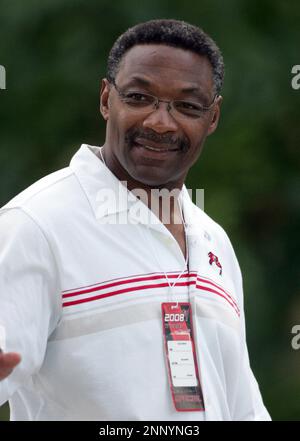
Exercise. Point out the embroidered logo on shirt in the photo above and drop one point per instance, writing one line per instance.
(214, 259)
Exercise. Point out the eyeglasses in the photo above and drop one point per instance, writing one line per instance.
(144, 103)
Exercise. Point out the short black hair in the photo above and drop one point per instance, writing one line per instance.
(179, 34)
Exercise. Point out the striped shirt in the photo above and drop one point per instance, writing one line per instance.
(83, 267)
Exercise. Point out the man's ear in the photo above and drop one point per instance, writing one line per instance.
(215, 116)
(104, 95)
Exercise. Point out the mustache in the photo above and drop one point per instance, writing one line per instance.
(132, 134)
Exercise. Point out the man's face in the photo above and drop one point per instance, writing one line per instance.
(158, 147)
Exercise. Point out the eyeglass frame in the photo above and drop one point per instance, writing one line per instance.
(170, 103)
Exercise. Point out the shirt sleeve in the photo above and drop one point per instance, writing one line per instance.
(249, 404)
(30, 306)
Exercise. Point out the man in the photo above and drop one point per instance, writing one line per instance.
(117, 311)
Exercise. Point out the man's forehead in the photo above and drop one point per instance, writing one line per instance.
(170, 62)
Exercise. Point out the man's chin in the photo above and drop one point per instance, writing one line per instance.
(151, 176)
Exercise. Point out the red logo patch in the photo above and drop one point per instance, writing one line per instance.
(214, 259)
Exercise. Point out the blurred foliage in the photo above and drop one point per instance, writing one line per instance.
(55, 55)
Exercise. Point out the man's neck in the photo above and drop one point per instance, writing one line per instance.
(163, 200)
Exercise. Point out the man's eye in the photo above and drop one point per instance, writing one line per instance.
(138, 98)
(186, 105)
(189, 109)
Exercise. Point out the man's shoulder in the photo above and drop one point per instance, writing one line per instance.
(210, 226)
(217, 237)
(49, 191)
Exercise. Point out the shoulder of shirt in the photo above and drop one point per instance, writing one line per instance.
(209, 224)
(43, 191)
(219, 237)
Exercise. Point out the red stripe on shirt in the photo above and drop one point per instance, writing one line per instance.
(123, 291)
(202, 279)
(219, 294)
(126, 281)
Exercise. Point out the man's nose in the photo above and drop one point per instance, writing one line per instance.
(160, 120)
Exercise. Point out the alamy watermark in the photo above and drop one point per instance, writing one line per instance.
(2, 77)
(296, 79)
(296, 339)
(120, 206)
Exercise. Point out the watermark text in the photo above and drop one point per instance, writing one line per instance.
(120, 206)
(296, 79)
(296, 339)
(2, 77)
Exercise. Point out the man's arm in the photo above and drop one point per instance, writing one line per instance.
(246, 403)
(249, 405)
(30, 304)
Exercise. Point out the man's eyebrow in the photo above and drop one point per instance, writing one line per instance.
(138, 81)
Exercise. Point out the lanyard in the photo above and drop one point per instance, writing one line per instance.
(186, 263)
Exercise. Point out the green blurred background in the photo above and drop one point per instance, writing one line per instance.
(55, 54)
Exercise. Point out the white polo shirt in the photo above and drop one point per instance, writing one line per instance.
(82, 279)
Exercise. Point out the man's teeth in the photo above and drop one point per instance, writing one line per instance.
(155, 149)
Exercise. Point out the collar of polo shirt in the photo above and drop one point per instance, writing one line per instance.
(109, 196)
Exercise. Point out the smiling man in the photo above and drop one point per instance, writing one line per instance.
(116, 312)
(157, 148)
